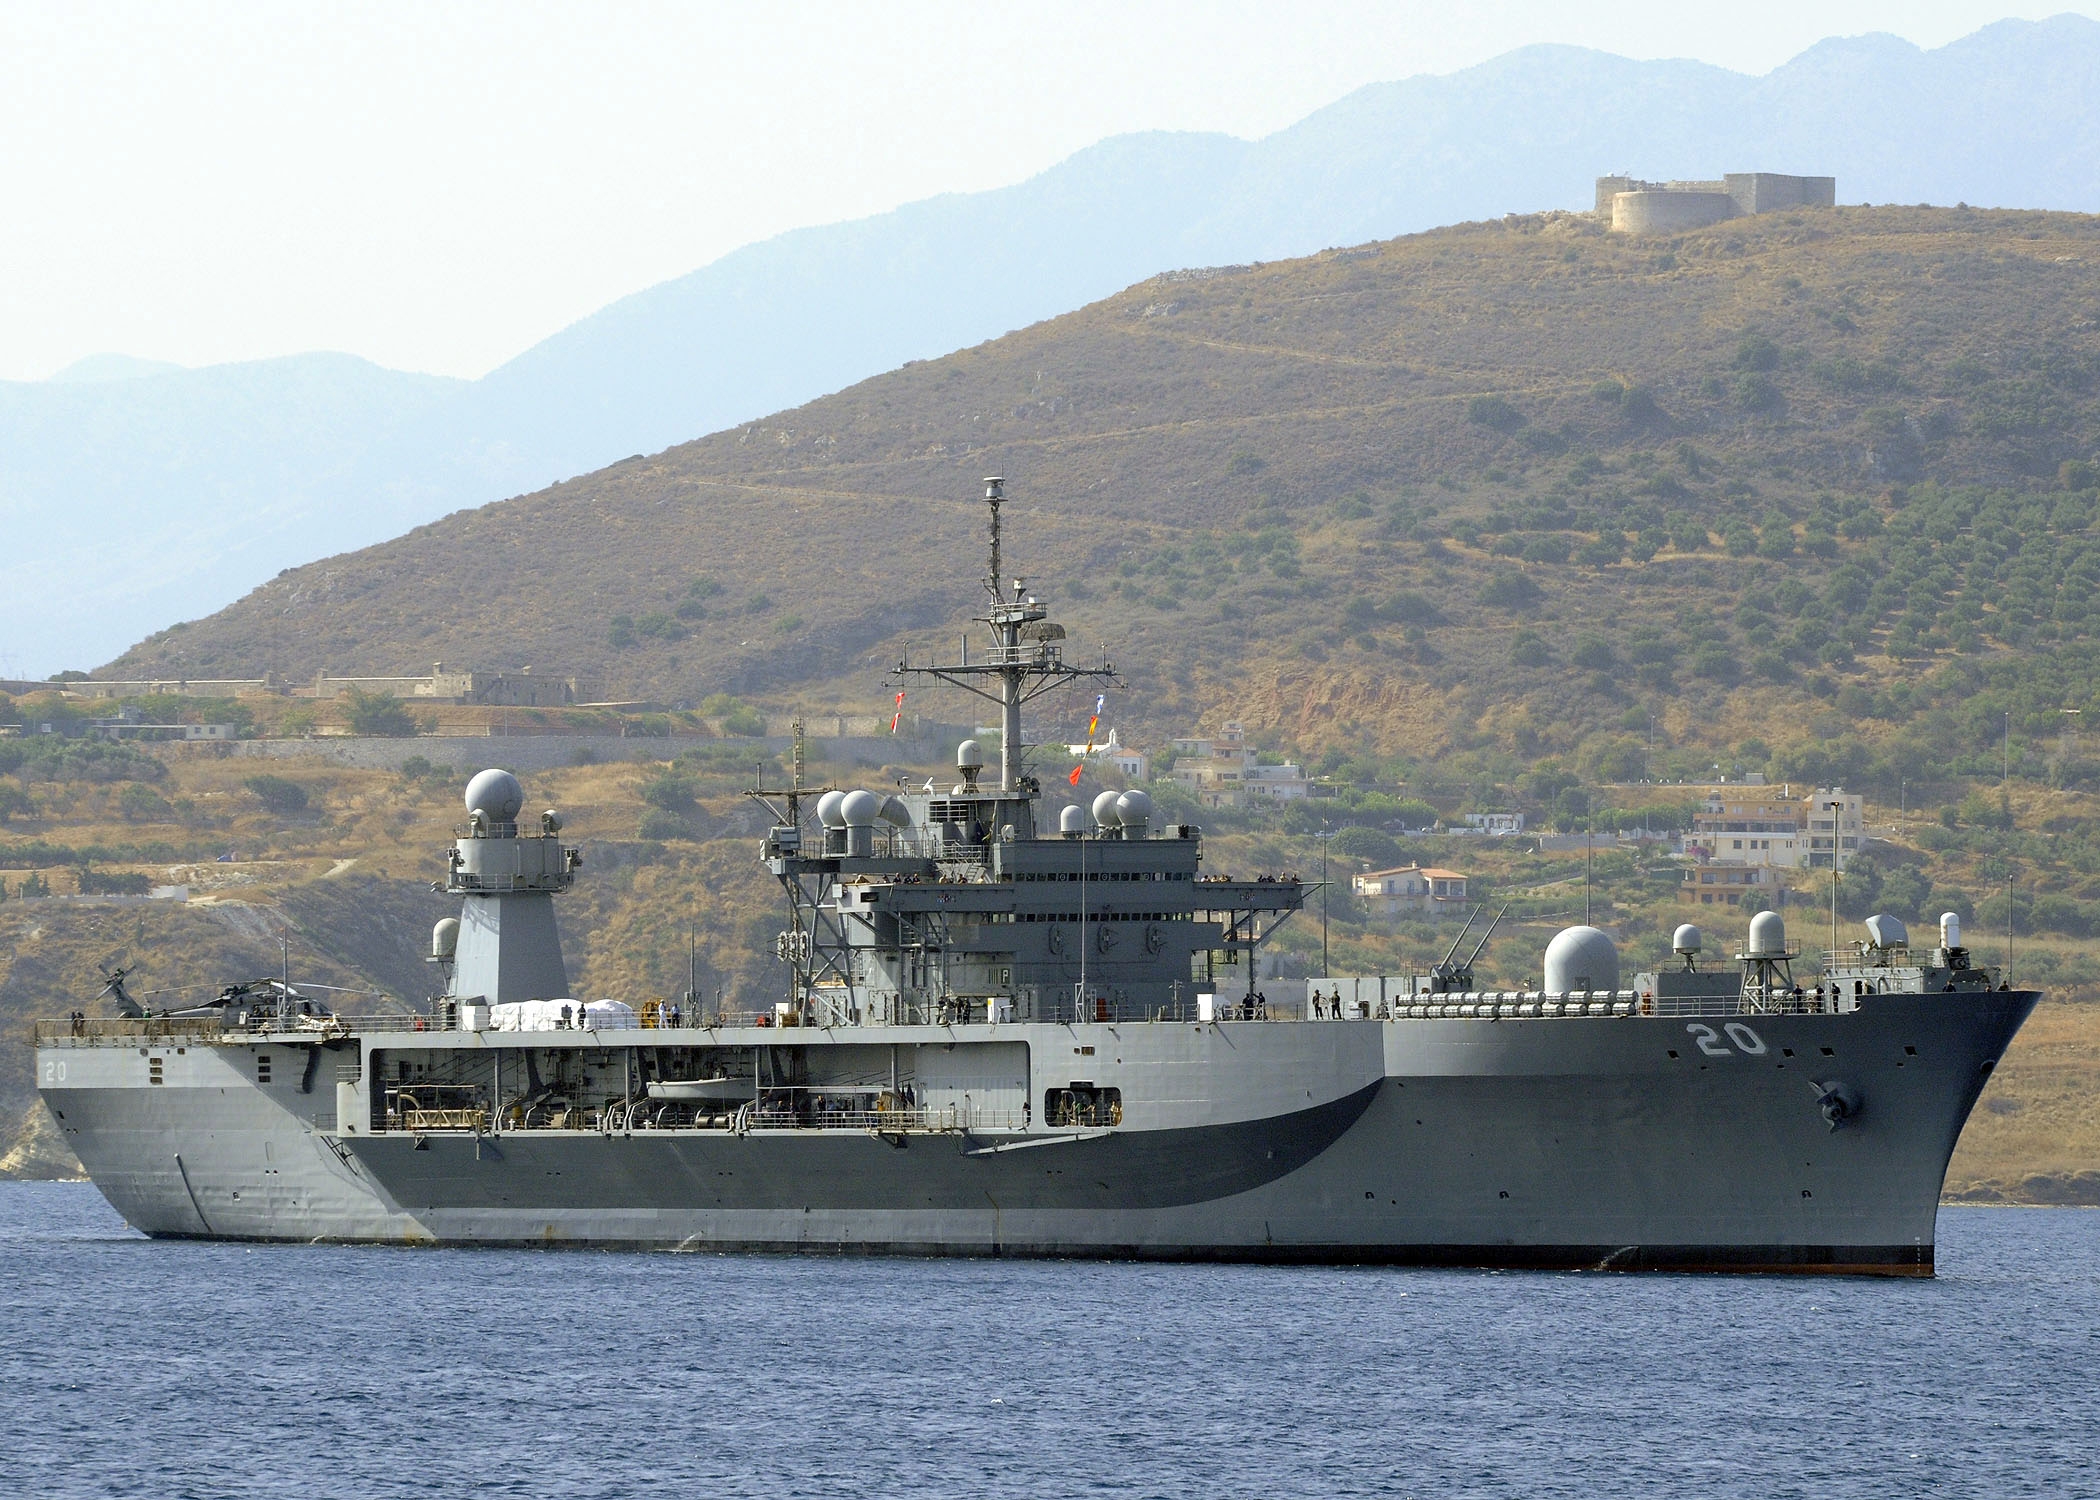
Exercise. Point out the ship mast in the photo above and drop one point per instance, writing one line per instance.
(1027, 658)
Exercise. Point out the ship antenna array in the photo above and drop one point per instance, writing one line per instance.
(1025, 661)
(994, 497)
(789, 810)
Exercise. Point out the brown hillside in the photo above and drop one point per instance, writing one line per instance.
(1211, 467)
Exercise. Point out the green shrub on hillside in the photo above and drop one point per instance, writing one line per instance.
(285, 798)
(379, 714)
(138, 802)
(51, 757)
(669, 792)
(1494, 412)
(1510, 591)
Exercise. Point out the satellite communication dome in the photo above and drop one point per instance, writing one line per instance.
(1581, 958)
(859, 809)
(1072, 820)
(1950, 929)
(1135, 808)
(828, 809)
(496, 795)
(444, 938)
(1105, 812)
(1685, 940)
(1767, 936)
(969, 756)
(1884, 931)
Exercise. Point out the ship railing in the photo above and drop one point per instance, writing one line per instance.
(1810, 1002)
(1032, 654)
(419, 1120)
(641, 1116)
(129, 1031)
(98, 1031)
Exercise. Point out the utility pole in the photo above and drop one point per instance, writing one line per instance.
(1326, 972)
(1836, 807)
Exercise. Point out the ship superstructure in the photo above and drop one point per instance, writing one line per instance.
(998, 1038)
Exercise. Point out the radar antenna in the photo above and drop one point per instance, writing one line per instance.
(1027, 658)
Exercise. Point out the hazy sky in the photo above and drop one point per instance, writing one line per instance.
(436, 185)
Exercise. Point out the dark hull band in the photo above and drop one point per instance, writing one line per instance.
(1760, 1260)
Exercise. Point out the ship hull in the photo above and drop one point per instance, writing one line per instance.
(1611, 1142)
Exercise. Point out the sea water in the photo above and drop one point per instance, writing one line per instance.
(168, 1369)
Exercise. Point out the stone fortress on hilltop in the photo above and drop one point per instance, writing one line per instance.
(1636, 207)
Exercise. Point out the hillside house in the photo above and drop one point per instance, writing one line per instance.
(1223, 770)
(1411, 888)
(1727, 885)
(1772, 826)
(1495, 824)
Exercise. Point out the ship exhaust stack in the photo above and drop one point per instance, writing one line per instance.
(507, 948)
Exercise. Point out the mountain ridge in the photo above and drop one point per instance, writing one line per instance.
(1281, 493)
(2004, 115)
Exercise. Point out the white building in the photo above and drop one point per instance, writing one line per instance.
(1495, 824)
(1771, 826)
(1411, 888)
(1283, 783)
(1223, 770)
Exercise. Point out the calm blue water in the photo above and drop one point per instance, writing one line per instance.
(170, 1370)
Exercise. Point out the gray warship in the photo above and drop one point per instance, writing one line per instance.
(996, 1038)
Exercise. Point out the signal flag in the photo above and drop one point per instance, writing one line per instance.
(896, 717)
(1074, 777)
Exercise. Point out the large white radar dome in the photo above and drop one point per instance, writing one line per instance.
(969, 756)
(1581, 958)
(1134, 807)
(1767, 936)
(496, 795)
(859, 808)
(1686, 939)
(828, 809)
(1105, 813)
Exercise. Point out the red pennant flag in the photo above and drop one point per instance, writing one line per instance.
(1074, 777)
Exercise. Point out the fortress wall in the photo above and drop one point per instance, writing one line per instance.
(1609, 188)
(1763, 192)
(1669, 211)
